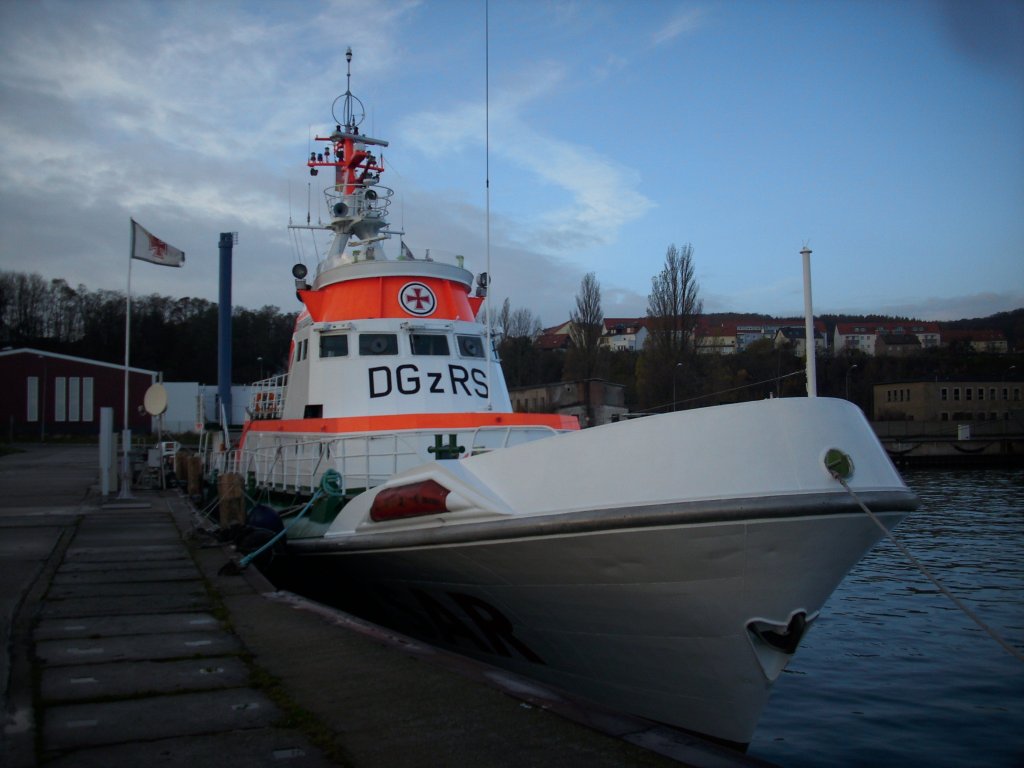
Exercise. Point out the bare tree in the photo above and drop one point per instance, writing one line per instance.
(587, 323)
(518, 323)
(502, 321)
(517, 330)
(673, 309)
(523, 324)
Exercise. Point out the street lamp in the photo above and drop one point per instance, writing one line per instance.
(848, 372)
(260, 361)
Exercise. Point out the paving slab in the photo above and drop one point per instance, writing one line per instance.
(155, 573)
(125, 588)
(112, 529)
(158, 717)
(108, 606)
(20, 516)
(128, 568)
(113, 535)
(261, 748)
(129, 678)
(135, 647)
(128, 624)
(99, 560)
(140, 554)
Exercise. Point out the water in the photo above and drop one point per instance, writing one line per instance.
(893, 674)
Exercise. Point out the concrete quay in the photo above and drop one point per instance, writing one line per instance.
(125, 645)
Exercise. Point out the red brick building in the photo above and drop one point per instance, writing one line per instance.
(45, 393)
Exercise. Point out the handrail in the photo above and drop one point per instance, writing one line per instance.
(297, 462)
(267, 401)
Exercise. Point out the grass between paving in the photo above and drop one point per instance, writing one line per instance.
(294, 715)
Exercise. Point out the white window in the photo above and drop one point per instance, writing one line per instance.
(87, 398)
(60, 396)
(32, 398)
(74, 404)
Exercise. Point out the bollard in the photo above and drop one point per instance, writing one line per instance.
(195, 475)
(181, 466)
(230, 499)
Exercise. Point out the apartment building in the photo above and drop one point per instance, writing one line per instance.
(960, 401)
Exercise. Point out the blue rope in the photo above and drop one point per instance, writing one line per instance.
(330, 485)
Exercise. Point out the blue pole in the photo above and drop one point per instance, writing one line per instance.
(227, 240)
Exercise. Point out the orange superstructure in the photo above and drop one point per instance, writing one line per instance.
(392, 296)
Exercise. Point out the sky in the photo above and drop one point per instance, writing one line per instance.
(886, 136)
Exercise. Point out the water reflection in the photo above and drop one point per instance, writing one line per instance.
(893, 673)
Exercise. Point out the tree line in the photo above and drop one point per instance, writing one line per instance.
(668, 373)
(178, 336)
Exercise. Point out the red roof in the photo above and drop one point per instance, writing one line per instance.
(716, 329)
(562, 329)
(612, 323)
(552, 341)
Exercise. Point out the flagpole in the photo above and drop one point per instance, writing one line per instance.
(126, 477)
(156, 251)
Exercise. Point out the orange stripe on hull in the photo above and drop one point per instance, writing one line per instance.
(414, 421)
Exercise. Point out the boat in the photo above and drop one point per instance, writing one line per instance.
(665, 566)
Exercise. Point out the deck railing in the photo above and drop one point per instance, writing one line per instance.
(268, 398)
(296, 463)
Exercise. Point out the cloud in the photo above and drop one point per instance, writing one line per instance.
(682, 22)
(602, 196)
(187, 120)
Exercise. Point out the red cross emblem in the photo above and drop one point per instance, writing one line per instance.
(417, 299)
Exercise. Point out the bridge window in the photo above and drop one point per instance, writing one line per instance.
(333, 345)
(378, 344)
(471, 346)
(429, 344)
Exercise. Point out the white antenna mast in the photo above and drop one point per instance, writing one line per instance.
(487, 192)
(809, 349)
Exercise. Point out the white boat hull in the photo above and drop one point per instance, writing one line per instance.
(652, 621)
(642, 595)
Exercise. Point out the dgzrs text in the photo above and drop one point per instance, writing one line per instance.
(409, 380)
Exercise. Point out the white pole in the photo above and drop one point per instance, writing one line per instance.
(809, 349)
(487, 198)
(126, 435)
(107, 452)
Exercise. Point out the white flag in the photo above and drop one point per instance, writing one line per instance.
(153, 249)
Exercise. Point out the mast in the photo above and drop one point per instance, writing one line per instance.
(356, 201)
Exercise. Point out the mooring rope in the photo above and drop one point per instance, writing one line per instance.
(774, 379)
(1017, 654)
(330, 485)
